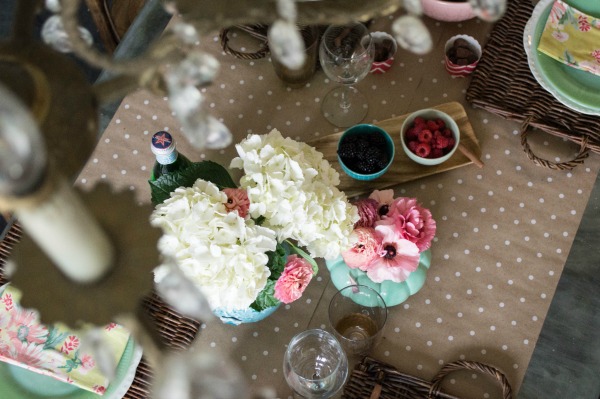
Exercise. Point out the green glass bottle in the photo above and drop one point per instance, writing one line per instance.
(168, 160)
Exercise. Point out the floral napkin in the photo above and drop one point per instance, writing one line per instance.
(572, 37)
(52, 350)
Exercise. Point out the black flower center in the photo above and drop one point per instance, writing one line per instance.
(390, 251)
(383, 210)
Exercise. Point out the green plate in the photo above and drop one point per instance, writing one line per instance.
(579, 86)
(18, 382)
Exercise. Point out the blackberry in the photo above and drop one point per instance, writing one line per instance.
(378, 140)
(379, 157)
(366, 166)
(364, 153)
(349, 148)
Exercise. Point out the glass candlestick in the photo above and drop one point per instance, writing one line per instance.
(63, 228)
(44, 203)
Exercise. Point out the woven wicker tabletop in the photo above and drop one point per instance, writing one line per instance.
(504, 85)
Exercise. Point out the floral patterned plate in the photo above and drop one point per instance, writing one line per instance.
(577, 89)
(18, 382)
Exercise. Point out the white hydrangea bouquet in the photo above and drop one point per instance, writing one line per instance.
(241, 245)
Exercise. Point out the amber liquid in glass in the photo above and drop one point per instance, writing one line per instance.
(356, 326)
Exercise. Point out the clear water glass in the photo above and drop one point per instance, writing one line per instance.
(357, 317)
(315, 365)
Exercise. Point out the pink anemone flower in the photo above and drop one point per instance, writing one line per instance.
(398, 257)
(385, 199)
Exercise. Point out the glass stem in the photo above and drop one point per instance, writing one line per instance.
(345, 98)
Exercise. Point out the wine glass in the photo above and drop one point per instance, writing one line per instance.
(346, 53)
(315, 365)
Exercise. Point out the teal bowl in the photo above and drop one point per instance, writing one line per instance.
(372, 139)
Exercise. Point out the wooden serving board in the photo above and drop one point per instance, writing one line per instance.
(403, 169)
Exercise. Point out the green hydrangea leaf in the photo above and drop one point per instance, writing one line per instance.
(162, 187)
(260, 220)
(277, 261)
(266, 298)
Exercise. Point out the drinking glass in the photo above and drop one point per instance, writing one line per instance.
(296, 78)
(315, 365)
(357, 315)
(346, 53)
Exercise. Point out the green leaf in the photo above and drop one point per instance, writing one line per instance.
(569, 58)
(277, 261)
(266, 298)
(54, 338)
(162, 187)
(294, 249)
(260, 220)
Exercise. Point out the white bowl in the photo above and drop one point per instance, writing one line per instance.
(428, 114)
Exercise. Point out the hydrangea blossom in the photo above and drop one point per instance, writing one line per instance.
(295, 189)
(220, 251)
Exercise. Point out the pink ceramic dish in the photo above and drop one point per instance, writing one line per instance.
(451, 11)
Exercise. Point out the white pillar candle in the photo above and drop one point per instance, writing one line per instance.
(68, 234)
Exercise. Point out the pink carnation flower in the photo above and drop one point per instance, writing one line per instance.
(99, 389)
(367, 211)
(384, 198)
(398, 257)
(366, 248)
(293, 281)
(237, 200)
(413, 222)
(87, 363)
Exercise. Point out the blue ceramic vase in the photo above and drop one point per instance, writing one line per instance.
(392, 293)
(239, 316)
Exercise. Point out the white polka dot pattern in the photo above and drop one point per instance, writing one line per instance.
(504, 231)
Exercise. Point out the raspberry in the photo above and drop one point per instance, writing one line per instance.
(447, 132)
(423, 150)
(412, 134)
(425, 136)
(441, 124)
(432, 125)
(451, 142)
(420, 121)
(441, 142)
(412, 145)
(436, 153)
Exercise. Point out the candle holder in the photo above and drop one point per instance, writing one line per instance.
(120, 291)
